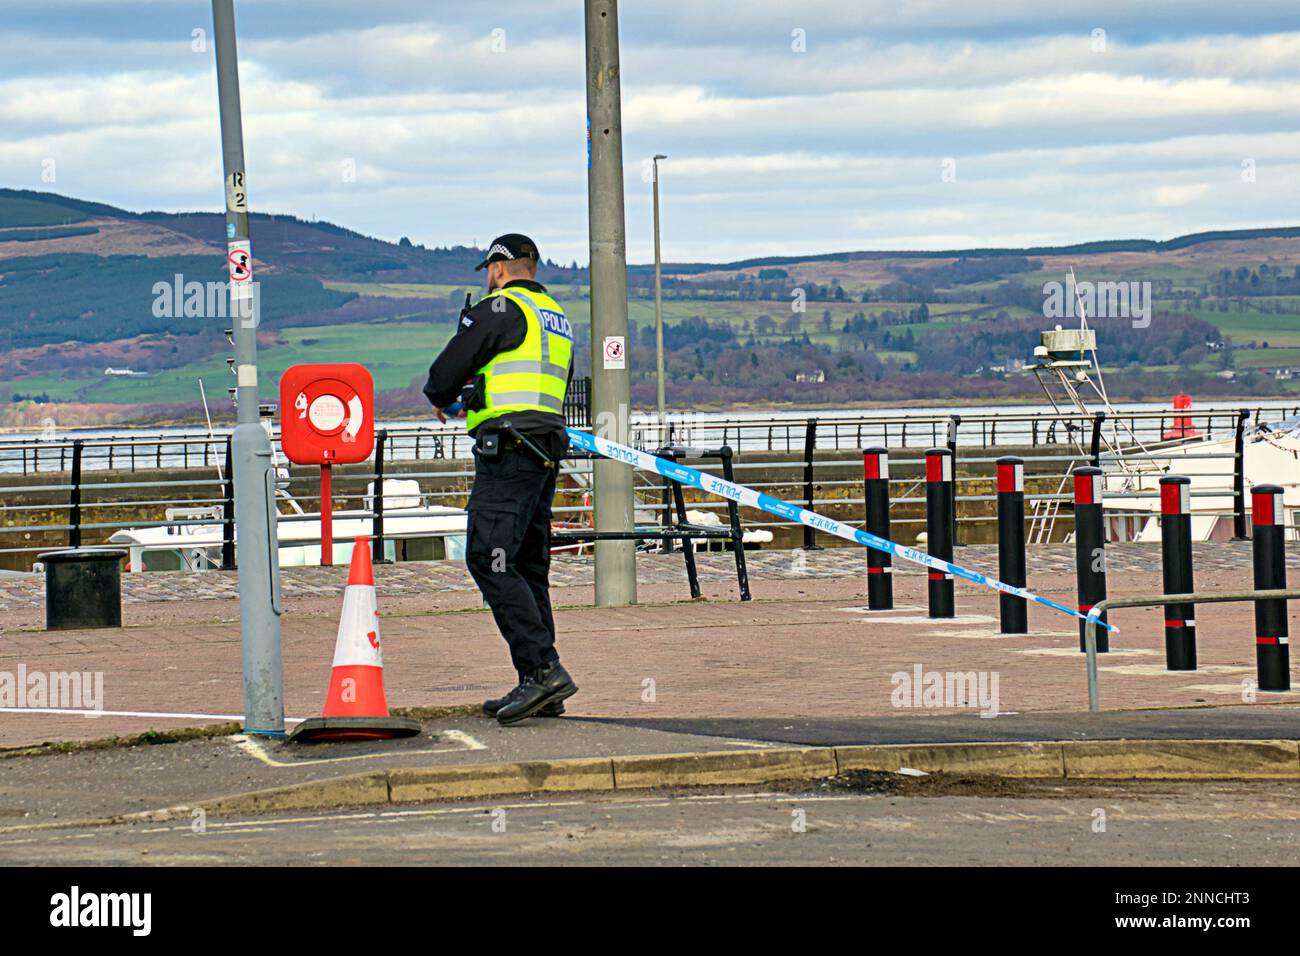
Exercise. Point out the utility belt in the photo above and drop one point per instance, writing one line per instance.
(493, 440)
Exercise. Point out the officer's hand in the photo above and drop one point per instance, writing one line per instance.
(438, 412)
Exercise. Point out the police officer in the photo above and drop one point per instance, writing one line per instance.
(515, 348)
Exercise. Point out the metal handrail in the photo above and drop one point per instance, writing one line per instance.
(1094, 619)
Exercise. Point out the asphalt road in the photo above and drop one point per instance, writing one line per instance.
(878, 820)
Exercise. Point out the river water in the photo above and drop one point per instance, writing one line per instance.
(783, 429)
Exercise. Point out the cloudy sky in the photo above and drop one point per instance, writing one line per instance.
(792, 126)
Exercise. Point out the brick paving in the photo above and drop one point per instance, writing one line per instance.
(803, 648)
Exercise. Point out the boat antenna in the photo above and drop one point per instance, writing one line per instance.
(208, 415)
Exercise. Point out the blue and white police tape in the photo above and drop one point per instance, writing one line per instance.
(783, 509)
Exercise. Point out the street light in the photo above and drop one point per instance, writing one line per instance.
(659, 310)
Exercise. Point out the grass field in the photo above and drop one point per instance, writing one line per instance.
(398, 351)
(1247, 326)
(394, 352)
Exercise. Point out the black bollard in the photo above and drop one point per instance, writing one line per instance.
(1090, 549)
(880, 578)
(1272, 644)
(938, 526)
(1011, 542)
(1176, 551)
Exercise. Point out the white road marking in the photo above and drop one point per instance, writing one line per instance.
(261, 824)
(132, 713)
(923, 619)
(253, 747)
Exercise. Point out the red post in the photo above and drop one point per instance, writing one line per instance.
(326, 516)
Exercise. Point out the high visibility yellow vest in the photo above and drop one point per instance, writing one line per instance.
(534, 376)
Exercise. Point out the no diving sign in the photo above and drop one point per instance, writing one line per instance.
(240, 260)
(615, 352)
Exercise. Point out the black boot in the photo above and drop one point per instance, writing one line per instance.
(549, 685)
(490, 707)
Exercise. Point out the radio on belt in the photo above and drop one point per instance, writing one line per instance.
(327, 417)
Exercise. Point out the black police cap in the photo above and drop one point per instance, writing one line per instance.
(510, 246)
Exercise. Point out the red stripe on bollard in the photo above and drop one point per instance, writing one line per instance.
(1087, 489)
(938, 468)
(1011, 477)
(1175, 499)
(1266, 509)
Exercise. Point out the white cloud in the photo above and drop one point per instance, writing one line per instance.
(771, 151)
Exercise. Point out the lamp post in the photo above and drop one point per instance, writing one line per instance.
(659, 311)
(251, 462)
(611, 400)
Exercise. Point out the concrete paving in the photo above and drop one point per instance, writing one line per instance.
(866, 821)
(805, 648)
(102, 782)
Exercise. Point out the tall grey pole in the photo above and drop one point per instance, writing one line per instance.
(659, 311)
(254, 473)
(611, 386)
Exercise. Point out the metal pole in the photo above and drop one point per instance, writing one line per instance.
(259, 564)
(737, 533)
(809, 449)
(377, 500)
(1239, 478)
(228, 513)
(1095, 452)
(613, 503)
(74, 519)
(953, 422)
(1090, 627)
(659, 307)
(326, 515)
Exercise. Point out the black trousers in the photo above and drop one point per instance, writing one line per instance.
(508, 551)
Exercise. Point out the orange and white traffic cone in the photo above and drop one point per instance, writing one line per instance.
(355, 706)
